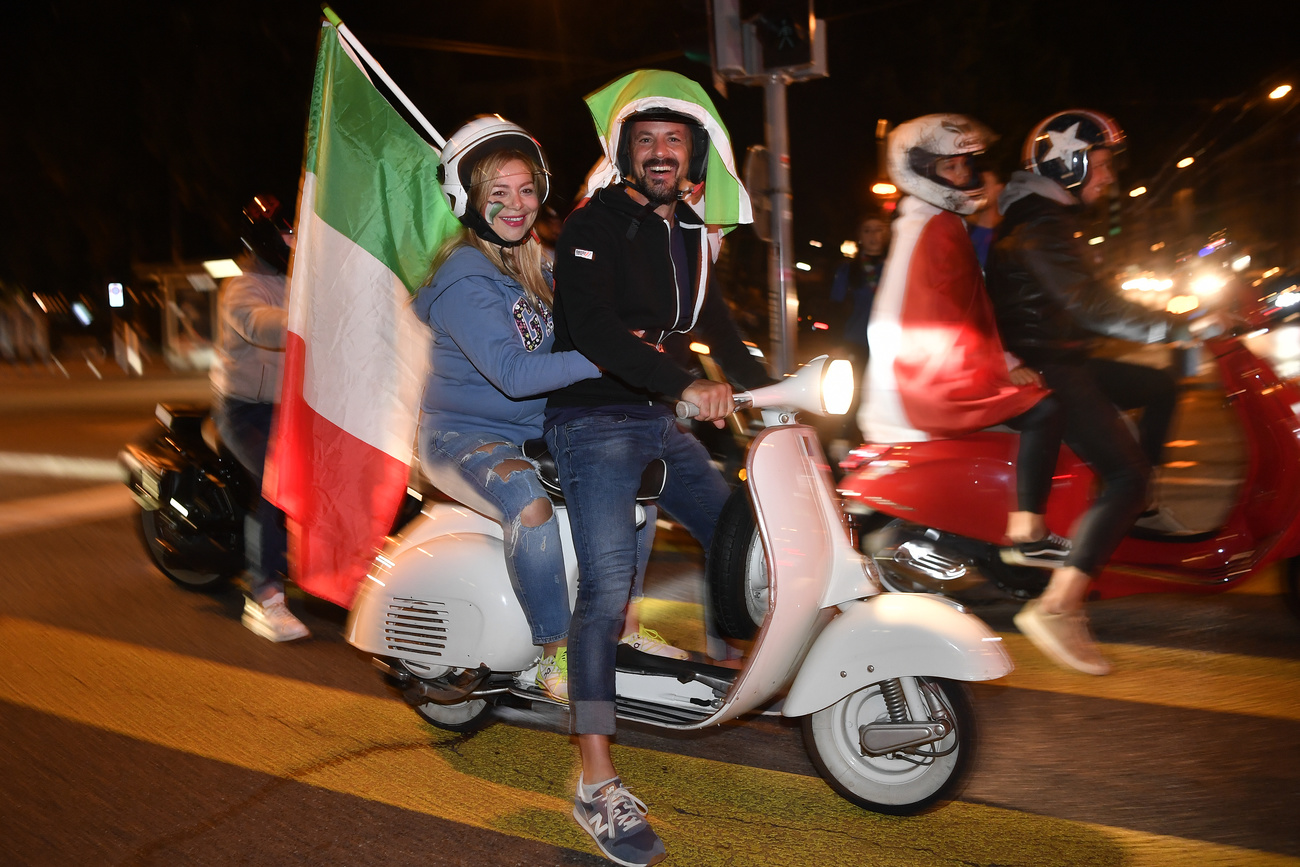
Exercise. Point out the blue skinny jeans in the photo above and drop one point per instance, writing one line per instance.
(464, 465)
(245, 427)
(600, 460)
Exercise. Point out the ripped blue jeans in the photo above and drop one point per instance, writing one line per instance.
(463, 465)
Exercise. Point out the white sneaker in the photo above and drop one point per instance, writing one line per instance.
(1161, 520)
(273, 620)
(1063, 638)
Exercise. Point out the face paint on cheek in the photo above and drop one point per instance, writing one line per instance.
(494, 210)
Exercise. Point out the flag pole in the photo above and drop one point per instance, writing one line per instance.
(383, 76)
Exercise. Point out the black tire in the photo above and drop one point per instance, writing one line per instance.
(466, 716)
(899, 784)
(737, 570)
(1291, 590)
(197, 580)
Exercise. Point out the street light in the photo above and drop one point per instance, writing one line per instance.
(884, 189)
(1137, 191)
(1185, 162)
(1280, 91)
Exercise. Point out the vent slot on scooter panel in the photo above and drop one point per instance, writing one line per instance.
(416, 626)
(653, 712)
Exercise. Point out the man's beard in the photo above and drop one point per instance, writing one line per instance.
(658, 192)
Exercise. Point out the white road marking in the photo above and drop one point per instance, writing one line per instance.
(90, 504)
(92, 469)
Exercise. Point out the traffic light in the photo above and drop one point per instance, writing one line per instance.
(783, 29)
(1113, 227)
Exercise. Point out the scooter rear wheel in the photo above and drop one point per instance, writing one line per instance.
(465, 716)
(901, 783)
(199, 580)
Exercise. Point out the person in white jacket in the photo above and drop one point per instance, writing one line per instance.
(246, 388)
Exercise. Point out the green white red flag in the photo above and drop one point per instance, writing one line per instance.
(371, 214)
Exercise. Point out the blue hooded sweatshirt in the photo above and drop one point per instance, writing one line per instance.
(492, 364)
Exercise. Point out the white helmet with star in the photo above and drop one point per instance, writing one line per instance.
(1058, 146)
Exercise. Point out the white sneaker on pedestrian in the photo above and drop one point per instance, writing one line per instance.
(273, 620)
(1063, 638)
(1160, 520)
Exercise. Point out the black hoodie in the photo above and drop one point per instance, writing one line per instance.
(616, 300)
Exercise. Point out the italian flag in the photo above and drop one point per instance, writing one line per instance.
(371, 215)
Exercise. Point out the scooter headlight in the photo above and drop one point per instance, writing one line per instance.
(837, 387)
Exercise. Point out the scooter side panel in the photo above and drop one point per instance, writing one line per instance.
(894, 635)
(444, 601)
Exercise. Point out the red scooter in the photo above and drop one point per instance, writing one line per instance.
(933, 514)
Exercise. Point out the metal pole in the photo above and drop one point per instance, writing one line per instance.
(783, 298)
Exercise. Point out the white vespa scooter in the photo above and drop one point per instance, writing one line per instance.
(874, 676)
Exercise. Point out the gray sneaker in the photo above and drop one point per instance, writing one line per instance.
(615, 819)
(273, 620)
(1063, 638)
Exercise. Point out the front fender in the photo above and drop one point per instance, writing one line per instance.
(894, 635)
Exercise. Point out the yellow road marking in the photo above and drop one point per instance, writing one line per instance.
(517, 781)
(1170, 677)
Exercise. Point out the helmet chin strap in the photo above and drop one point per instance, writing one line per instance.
(475, 222)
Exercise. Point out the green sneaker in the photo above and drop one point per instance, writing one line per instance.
(553, 675)
(651, 642)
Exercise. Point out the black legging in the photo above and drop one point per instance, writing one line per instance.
(1136, 386)
(1099, 436)
(1041, 428)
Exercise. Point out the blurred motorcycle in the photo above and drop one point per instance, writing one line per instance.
(194, 495)
(933, 513)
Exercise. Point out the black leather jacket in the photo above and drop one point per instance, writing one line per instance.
(1049, 305)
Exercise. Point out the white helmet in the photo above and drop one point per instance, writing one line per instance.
(484, 135)
(915, 147)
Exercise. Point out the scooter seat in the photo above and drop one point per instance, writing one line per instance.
(653, 477)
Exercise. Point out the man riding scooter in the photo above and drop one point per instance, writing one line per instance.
(1050, 307)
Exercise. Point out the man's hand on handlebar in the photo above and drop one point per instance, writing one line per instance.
(713, 399)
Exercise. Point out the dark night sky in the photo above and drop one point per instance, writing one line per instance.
(136, 130)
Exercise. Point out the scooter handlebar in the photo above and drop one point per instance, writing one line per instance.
(686, 409)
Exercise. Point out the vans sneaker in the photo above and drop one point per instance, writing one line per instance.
(651, 642)
(273, 620)
(615, 819)
(1048, 552)
(1063, 638)
(553, 675)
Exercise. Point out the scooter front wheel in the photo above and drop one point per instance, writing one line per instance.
(1292, 590)
(737, 576)
(905, 781)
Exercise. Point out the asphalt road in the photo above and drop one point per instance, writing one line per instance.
(140, 724)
